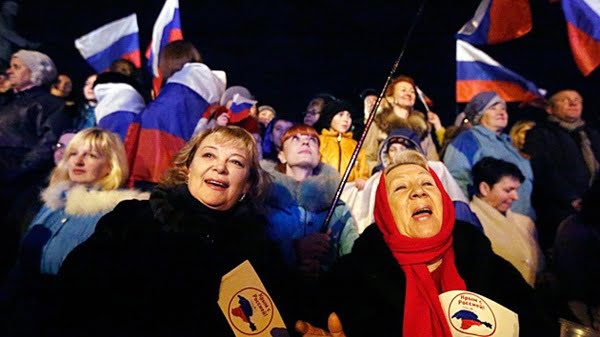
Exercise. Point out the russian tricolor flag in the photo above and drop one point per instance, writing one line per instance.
(118, 39)
(118, 105)
(168, 122)
(240, 108)
(583, 26)
(497, 21)
(477, 72)
(167, 28)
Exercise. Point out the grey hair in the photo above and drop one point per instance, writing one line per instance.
(408, 157)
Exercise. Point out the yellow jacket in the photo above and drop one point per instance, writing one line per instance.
(336, 150)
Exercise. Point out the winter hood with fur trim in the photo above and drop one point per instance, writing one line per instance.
(82, 200)
(313, 194)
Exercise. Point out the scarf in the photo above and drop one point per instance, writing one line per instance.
(584, 143)
(423, 313)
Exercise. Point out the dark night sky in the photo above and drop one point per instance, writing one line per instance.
(286, 51)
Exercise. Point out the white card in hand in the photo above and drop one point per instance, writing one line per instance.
(247, 305)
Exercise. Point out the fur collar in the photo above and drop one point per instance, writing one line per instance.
(314, 194)
(80, 200)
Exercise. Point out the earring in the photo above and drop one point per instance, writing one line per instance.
(242, 197)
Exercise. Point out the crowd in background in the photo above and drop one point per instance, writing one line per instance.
(67, 164)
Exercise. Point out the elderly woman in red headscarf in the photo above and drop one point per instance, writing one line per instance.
(390, 283)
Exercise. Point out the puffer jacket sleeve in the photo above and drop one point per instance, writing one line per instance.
(344, 230)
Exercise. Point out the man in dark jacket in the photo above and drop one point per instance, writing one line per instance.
(565, 152)
(30, 123)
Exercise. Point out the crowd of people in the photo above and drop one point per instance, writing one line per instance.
(121, 211)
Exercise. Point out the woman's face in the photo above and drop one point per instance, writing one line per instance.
(63, 86)
(341, 122)
(218, 174)
(313, 112)
(415, 201)
(265, 116)
(61, 146)
(301, 151)
(495, 118)
(280, 127)
(88, 88)
(223, 119)
(86, 165)
(404, 94)
(502, 194)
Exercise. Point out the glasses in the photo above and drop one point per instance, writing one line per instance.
(312, 113)
(58, 146)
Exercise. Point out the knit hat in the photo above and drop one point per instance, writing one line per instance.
(330, 110)
(480, 103)
(231, 91)
(267, 107)
(41, 66)
(404, 136)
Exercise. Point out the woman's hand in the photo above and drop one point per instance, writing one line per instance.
(333, 325)
(434, 119)
(360, 184)
(312, 246)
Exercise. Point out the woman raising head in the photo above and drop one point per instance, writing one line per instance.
(415, 252)
(298, 201)
(158, 264)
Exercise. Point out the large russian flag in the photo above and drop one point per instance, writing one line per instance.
(168, 122)
(583, 26)
(167, 28)
(477, 72)
(497, 21)
(118, 105)
(118, 39)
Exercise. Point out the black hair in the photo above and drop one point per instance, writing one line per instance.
(491, 170)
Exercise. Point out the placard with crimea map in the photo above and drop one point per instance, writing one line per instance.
(247, 305)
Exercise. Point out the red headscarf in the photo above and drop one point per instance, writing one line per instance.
(423, 314)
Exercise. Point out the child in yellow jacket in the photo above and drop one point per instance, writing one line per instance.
(337, 144)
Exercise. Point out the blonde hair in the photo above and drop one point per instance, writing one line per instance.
(225, 136)
(408, 157)
(109, 145)
(522, 125)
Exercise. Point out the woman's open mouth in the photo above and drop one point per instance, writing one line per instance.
(218, 184)
(422, 213)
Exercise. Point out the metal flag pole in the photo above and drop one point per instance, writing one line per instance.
(359, 145)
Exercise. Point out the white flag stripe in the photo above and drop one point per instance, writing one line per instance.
(467, 53)
(110, 33)
(166, 15)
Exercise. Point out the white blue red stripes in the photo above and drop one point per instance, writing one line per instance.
(583, 26)
(115, 40)
(118, 104)
(240, 108)
(167, 28)
(497, 21)
(476, 72)
(168, 122)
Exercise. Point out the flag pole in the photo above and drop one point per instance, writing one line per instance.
(361, 141)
